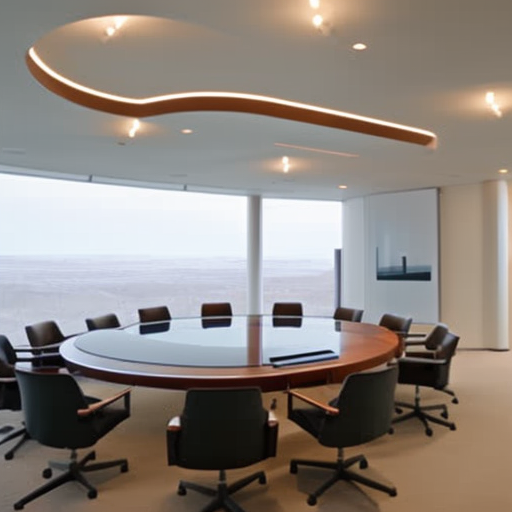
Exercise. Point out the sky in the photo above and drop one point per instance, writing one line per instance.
(46, 216)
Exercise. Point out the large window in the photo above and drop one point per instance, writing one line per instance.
(299, 240)
(71, 250)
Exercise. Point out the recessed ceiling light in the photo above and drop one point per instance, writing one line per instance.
(134, 128)
(286, 163)
(186, 131)
(317, 20)
(315, 4)
(503, 171)
(359, 46)
(342, 186)
(493, 105)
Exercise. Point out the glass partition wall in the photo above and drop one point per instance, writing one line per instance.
(72, 250)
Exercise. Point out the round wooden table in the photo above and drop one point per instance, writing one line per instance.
(253, 350)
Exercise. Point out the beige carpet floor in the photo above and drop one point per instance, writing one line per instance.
(468, 470)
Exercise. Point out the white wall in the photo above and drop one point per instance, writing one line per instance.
(464, 263)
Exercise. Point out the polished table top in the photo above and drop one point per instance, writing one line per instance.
(273, 353)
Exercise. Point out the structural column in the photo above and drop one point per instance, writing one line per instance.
(495, 263)
(254, 256)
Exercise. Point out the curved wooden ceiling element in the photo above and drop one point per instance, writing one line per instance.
(221, 102)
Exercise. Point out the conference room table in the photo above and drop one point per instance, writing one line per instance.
(274, 353)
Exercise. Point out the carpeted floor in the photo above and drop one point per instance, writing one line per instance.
(464, 470)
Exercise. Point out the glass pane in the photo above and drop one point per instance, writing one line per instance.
(72, 250)
(299, 240)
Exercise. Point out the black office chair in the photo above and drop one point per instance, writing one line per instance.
(348, 314)
(154, 314)
(399, 324)
(428, 344)
(430, 370)
(216, 314)
(362, 412)
(216, 309)
(287, 314)
(109, 321)
(45, 334)
(57, 414)
(287, 309)
(221, 429)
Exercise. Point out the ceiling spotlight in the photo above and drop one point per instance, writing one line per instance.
(318, 20)
(134, 129)
(343, 187)
(186, 131)
(315, 4)
(503, 171)
(491, 102)
(286, 163)
(359, 46)
(119, 21)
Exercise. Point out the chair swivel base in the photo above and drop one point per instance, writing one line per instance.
(73, 472)
(341, 472)
(419, 412)
(221, 494)
(9, 433)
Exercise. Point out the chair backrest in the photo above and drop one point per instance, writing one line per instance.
(9, 392)
(287, 309)
(447, 347)
(436, 336)
(154, 314)
(399, 324)
(7, 353)
(44, 333)
(348, 314)
(50, 403)
(216, 309)
(222, 428)
(366, 404)
(109, 321)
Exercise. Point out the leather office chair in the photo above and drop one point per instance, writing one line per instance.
(154, 314)
(287, 309)
(109, 321)
(57, 414)
(216, 309)
(45, 334)
(348, 314)
(399, 324)
(362, 412)
(428, 345)
(287, 314)
(430, 370)
(216, 314)
(221, 429)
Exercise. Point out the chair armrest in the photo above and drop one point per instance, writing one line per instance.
(332, 411)
(174, 424)
(96, 406)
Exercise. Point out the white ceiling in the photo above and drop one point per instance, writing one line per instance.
(428, 64)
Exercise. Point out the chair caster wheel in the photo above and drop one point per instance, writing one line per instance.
(312, 500)
(124, 468)
(393, 493)
(429, 432)
(293, 468)
(363, 464)
(444, 414)
(453, 427)
(181, 490)
(47, 473)
(17, 506)
(93, 493)
(398, 410)
(391, 431)
(455, 401)
(262, 479)
(8, 456)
